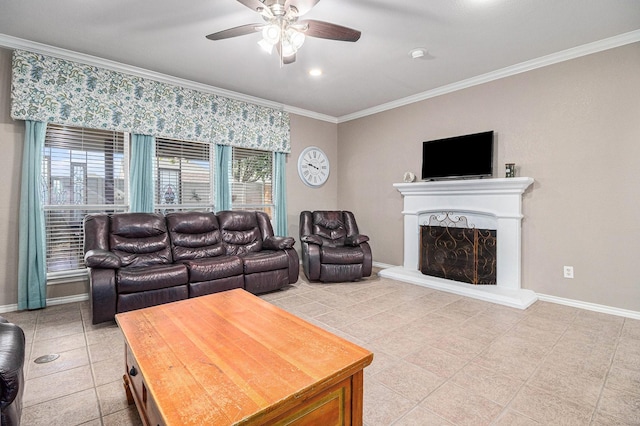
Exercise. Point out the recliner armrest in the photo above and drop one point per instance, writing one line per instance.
(355, 240)
(311, 239)
(278, 243)
(104, 259)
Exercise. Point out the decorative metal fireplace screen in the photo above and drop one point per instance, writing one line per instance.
(450, 249)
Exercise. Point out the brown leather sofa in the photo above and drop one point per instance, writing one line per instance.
(333, 249)
(12, 347)
(136, 260)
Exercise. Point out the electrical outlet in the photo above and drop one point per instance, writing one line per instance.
(568, 271)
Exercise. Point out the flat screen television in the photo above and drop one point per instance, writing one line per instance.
(468, 156)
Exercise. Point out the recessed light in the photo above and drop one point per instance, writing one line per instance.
(417, 53)
(315, 72)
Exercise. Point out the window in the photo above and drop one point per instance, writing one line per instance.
(183, 175)
(86, 171)
(251, 180)
(83, 171)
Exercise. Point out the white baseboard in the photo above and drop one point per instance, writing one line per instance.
(590, 306)
(8, 308)
(50, 302)
(544, 297)
(382, 265)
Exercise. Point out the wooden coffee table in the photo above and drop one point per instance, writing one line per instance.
(232, 358)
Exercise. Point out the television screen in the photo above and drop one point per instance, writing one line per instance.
(458, 157)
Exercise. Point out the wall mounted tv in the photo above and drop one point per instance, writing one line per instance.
(468, 156)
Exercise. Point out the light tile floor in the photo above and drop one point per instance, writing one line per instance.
(439, 359)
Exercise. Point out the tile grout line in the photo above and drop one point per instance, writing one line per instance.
(526, 381)
(93, 375)
(606, 377)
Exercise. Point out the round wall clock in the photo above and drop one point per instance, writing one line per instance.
(313, 167)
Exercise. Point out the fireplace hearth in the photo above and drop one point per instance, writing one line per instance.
(491, 204)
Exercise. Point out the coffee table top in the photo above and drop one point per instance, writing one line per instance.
(231, 356)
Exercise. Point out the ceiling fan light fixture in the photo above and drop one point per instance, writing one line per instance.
(296, 38)
(288, 49)
(271, 34)
(266, 46)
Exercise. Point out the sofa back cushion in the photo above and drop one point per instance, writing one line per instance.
(240, 232)
(140, 239)
(330, 226)
(194, 235)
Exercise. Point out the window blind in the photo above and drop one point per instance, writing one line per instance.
(183, 175)
(83, 171)
(251, 177)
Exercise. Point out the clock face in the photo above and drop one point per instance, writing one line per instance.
(313, 167)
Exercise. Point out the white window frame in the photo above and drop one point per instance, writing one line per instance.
(267, 207)
(79, 273)
(180, 191)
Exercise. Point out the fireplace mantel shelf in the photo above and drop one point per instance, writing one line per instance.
(498, 201)
(467, 186)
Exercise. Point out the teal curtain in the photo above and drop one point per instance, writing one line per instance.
(32, 262)
(280, 194)
(223, 185)
(141, 173)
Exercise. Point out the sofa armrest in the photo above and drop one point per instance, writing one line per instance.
(104, 259)
(355, 240)
(311, 239)
(102, 283)
(278, 243)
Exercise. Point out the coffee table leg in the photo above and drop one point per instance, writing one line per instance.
(127, 390)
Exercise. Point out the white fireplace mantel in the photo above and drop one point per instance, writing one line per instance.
(496, 201)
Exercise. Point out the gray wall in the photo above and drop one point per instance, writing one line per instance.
(574, 127)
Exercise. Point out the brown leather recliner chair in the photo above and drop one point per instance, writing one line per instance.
(333, 249)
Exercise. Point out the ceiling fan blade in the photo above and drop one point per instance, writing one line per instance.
(328, 30)
(236, 31)
(255, 5)
(284, 60)
(303, 6)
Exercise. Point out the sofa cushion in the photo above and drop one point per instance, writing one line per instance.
(330, 226)
(265, 260)
(132, 301)
(213, 268)
(194, 235)
(341, 255)
(140, 239)
(134, 280)
(240, 232)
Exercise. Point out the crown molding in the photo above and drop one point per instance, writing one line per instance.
(311, 114)
(554, 58)
(69, 55)
(565, 55)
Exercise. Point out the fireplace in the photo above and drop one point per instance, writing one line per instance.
(451, 249)
(490, 204)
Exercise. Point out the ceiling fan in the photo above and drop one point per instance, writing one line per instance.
(283, 31)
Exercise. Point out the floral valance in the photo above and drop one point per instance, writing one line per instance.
(64, 92)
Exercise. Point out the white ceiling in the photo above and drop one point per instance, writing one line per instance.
(464, 39)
